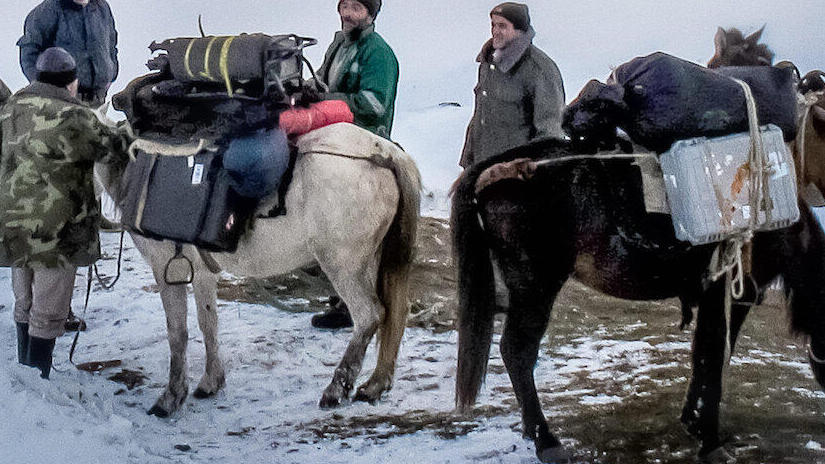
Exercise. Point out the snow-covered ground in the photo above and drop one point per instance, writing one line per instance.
(277, 367)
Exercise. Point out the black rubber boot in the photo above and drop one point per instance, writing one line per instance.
(74, 323)
(40, 355)
(23, 343)
(337, 317)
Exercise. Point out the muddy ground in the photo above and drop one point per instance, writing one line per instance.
(772, 411)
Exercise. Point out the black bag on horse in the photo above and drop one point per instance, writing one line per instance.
(186, 199)
(658, 99)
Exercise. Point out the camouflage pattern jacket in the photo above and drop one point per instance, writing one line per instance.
(5, 93)
(48, 213)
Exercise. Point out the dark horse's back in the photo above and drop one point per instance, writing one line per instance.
(589, 216)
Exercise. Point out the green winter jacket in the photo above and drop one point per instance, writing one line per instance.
(367, 80)
(49, 217)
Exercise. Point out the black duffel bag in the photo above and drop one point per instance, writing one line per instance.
(186, 199)
(658, 99)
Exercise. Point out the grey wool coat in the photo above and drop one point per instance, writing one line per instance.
(519, 98)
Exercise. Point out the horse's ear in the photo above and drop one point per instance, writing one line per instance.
(753, 39)
(720, 41)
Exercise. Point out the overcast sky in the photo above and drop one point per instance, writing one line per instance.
(437, 41)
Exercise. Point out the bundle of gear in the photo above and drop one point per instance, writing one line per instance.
(209, 145)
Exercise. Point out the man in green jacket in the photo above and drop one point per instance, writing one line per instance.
(360, 69)
(48, 214)
(519, 96)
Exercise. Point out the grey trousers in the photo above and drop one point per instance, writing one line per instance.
(42, 299)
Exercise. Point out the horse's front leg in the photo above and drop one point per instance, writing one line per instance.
(214, 379)
(701, 411)
(174, 304)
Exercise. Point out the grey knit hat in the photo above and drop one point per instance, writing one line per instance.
(516, 13)
(56, 66)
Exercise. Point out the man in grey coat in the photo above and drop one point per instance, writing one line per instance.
(519, 96)
(84, 28)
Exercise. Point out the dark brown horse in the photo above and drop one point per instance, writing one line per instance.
(585, 219)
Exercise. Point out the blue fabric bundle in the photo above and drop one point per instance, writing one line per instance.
(256, 162)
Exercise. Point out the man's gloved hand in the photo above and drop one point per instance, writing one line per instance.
(311, 92)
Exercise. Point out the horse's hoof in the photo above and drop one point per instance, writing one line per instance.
(202, 394)
(555, 455)
(158, 411)
(329, 402)
(691, 424)
(367, 394)
(717, 456)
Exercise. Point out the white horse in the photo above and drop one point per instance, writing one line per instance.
(355, 217)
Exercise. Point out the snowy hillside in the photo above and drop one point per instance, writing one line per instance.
(277, 365)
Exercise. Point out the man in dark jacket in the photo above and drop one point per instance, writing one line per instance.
(84, 28)
(520, 94)
(48, 214)
(362, 70)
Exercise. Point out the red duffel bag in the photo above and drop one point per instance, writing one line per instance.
(297, 121)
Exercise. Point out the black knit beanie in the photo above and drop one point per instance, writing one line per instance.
(373, 6)
(516, 13)
(56, 66)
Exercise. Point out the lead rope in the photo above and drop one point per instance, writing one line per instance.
(97, 365)
(727, 257)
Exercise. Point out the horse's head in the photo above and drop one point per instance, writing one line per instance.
(734, 49)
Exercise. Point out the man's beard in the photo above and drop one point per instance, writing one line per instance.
(355, 29)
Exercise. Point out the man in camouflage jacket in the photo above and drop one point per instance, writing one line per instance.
(5, 93)
(48, 214)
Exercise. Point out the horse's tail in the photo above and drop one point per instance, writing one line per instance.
(476, 294)
(805, 264)
(397, 254)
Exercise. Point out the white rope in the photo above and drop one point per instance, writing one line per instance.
(727, 258)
